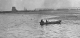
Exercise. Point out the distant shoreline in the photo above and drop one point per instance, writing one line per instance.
(44, 12)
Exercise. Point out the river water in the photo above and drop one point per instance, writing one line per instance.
(27, 26)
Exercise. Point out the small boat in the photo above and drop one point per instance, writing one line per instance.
(49, 22)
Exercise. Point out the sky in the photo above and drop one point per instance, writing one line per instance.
(37, 4)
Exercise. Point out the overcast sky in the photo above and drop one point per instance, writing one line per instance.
(36, 4)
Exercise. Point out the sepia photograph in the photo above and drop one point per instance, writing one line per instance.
(39, 18)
